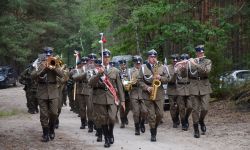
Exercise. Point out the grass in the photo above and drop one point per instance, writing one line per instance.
(8, 113)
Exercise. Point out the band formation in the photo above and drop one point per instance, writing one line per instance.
(99, 92)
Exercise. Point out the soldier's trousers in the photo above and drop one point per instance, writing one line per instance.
(124, 114)
(139, 110)
(71, 98)
(82, 99)
(200, 105)
(90, 112)
(105, 114)
(174, 110)
(155, 112)
(48, 111)
(32, 102)
(185, 106)
(76, 102)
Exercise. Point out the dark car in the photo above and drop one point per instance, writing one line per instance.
(8, 76)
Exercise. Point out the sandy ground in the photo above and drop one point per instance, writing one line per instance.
(226, 129)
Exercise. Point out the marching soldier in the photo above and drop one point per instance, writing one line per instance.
(151, 77)
(70, 89)
(80, 100)
(124, 74)
(171, 91)
(61, 82)
(30, 88)
(47, 93)
(90, 110)
(200, 89)
(182, 88)
(106, 85)
(137, 104)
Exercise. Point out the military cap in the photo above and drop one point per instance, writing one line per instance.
(48, 50)
(106, 53)
(175, 57)
(199, 48)
(122, 61)
(152, 52)
(92, 56)
(112, 63)
(184, 56)
(98, 61)
(84, 60)
(137, 59)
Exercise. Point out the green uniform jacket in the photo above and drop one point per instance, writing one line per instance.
(136, 92)
(146, 79)
(101, 95)
(47, 82)
(199, 82)
(171, 89)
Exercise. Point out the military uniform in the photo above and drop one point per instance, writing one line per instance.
(182, 88)
(154, 107)
(30, 88)
(61, 83)
(200, 89)
(104, 101)
(172, 94)
(47, 94)
(86, 91)
(70, 90)
(138, 106)
(80, 98)
(124, 74)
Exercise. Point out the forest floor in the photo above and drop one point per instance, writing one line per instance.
(226, 129)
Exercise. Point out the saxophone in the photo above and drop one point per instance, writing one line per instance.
(155, 84)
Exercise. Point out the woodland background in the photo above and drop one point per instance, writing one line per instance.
(130, 26)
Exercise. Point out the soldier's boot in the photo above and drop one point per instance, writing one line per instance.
(201, 121)
(126, 120)
(51, 131)
(99, 134)
(122, 123)
(83, 122)
(90, 126)
(196, 131)
(176, 121)
(45, 137)
(57, 123)
(142, 125)
(106, 135)
(111, 134)
(184, 125)
(137, 129)
(203, 127)
(153, 134)
(188, 112)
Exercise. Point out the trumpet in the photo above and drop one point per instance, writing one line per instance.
(54, 62)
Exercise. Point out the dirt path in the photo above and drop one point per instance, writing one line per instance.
(226, 130)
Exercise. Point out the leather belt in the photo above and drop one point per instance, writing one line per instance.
(47, 82)
(183, 82)
(198, 78)
(100, 88)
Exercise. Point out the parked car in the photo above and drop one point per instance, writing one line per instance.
(116, 59)
(8, 76)
(233, 78)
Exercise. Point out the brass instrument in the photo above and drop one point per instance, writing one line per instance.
(184, 63)
(155, 84)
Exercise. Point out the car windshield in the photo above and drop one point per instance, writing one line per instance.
(3, 71)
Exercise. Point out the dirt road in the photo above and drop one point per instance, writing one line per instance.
(226, 129)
